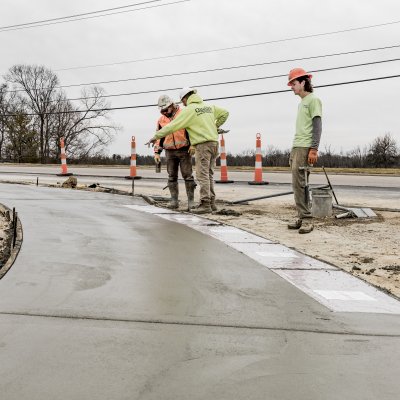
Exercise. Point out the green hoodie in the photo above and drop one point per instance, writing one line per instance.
(200, 119)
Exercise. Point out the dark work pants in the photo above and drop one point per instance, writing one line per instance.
(179, 158)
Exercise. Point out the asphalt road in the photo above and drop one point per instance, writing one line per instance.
(237, 176)
(106, 302)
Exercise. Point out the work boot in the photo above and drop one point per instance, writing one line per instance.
(174, 190)
(203, 208)
(307, 226)
(296, 224)
(190, 187)
(213, 206)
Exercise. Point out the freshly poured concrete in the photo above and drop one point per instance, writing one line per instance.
(108, 302)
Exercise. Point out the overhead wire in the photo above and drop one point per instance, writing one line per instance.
(210, 99)
(231, 47)
(77, 15)
(222, 68)
(4, 29)
(234, 81)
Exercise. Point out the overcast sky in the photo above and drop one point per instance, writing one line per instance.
(352, 114)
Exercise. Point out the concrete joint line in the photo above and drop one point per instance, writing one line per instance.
(204, 324)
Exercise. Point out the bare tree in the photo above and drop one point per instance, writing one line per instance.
(383, 151)
(87, 129)
(358, 157)
(85, 132)
(39, 87)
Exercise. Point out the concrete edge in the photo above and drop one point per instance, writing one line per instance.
(14, 251)
(150, 201)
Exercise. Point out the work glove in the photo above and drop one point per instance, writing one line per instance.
(192, 150)
(312, 156)
(157, 158)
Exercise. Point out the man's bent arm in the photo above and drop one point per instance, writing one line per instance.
(221, 115)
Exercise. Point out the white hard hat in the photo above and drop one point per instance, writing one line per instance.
(164, 101)
(185, 91)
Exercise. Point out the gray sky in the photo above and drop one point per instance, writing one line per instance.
(353, 114)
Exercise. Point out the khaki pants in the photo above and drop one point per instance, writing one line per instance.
(298, 158)
(206, 155)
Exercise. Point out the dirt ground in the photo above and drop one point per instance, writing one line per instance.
(366, 248)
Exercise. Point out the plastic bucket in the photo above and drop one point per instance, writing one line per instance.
(321, 203)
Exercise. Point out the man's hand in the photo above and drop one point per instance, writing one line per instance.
(151, 142)
(157, 158)
(312, 156)
(192, 150)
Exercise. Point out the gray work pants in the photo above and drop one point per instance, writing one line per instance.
(299, 158)
(206, 156)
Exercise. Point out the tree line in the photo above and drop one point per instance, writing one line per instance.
(35, 114)
(383, 152)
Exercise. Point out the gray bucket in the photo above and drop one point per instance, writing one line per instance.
(321, 203)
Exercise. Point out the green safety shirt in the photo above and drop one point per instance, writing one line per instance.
(309, 108)
(200, 119)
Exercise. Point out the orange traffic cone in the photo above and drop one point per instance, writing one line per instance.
(133, 172)
(258, 167)
(64, 168)
(224, 168)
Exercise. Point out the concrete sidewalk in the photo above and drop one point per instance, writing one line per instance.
(108, 302)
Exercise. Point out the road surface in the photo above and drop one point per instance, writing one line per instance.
(106, 301)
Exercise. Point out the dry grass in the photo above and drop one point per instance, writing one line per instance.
(362, 171)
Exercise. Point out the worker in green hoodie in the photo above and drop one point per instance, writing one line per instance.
(201, 120)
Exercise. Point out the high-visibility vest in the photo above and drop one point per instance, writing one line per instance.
(175, 140)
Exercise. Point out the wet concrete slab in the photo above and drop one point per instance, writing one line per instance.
(58, 359)
(109, 302)
(279, 258)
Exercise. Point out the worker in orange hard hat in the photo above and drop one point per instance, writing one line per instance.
(304, 151)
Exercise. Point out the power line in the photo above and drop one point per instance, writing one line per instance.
(210, 99)
(76, 15)
(5, 29)
(232, 47)
(231, 67)
(222, 68)
(235, 81)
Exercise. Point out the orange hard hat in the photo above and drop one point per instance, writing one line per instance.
(297, 73)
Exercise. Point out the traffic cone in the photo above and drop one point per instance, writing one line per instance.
(133, 172)
(258, 167)
(64, 168)
(224, 168)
